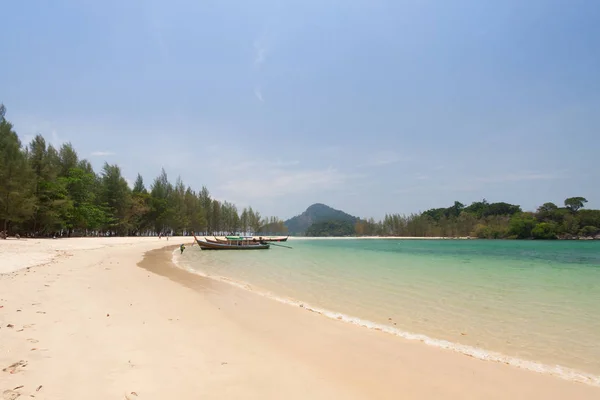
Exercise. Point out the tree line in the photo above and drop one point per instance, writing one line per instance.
(47, 191)
(487, 220)
(331, 228)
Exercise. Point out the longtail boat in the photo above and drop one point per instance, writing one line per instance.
(231, 243)
(274, 239)
(224, 239)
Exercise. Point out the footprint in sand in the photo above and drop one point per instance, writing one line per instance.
(32, 340)
(16, 367)
(10, 394)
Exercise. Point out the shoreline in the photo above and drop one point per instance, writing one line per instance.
(555, 372)
(558, 371)
(159, 331)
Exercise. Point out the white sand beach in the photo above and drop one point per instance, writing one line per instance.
(113, 318)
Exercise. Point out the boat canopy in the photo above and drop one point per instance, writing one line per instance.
(238, 237)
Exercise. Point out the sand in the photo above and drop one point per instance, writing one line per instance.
(88, 322)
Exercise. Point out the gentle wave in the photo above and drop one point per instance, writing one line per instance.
(475, 352)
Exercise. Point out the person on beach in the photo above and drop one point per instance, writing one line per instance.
(182, 248)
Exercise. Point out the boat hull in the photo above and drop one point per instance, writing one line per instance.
(275, 239)
(213, 245)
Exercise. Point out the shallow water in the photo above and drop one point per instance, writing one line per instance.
(530, 303)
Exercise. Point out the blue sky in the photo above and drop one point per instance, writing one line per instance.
(368, 106)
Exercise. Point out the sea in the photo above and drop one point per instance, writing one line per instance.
(532, 304)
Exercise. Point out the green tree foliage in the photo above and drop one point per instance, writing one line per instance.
(254, 221)
(273, 226)
(575, 203)
(589, 230)
(331, 228)
(67, 159)
(85, 213)
(160, 193)
(589, 217)
(544, 230)
(15, 177)
(439, 213)
(138, 186)
(205, 204)
(244, 220)
(52, 205)
(521, 225)
(547, 208)
(196, 214)
(180, 217)
(489, 221)
(50, 192)
(115, 197)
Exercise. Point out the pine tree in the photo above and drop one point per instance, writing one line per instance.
(16, 200)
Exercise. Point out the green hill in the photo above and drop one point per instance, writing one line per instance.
(331, 228)
(317, 213)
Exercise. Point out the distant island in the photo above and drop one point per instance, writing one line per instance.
(308, 223)
(481, 219)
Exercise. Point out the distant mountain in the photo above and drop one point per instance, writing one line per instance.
(314, 214)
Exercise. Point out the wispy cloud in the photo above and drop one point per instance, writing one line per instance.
(102, 153)
(257, 164)
(331, 151)
(258, 94)
(383, 158)
(56, 140)
(471, 184)
(283, 182)
(260, 57)
(519, 177)
(27, 139)
(260, 52)
(154, 20)
(459, 187)
(30, 126)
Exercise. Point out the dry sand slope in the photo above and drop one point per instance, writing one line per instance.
(89, 323)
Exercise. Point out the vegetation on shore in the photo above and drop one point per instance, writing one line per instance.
(46, 191)
(492, 221)
(481, 219)
(331, 228)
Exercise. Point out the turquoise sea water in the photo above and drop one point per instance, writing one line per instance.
(530, 303)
